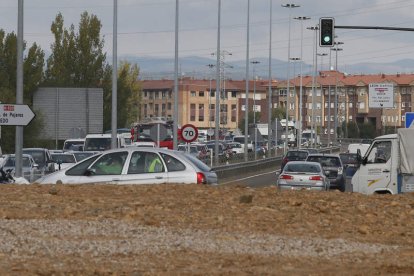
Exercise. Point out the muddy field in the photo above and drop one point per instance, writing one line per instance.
(202, 230)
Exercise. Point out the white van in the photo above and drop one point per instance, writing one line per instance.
(353, 148)
(74, 144)
(101, 142)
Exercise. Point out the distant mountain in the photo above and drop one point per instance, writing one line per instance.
(197, 67)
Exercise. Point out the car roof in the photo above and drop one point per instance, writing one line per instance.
(324, 154)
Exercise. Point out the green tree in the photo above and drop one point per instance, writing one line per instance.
(279, 113)
(241, 125)
(77, 59)
(128, 92)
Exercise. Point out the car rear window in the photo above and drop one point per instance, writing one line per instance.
(298, 154)
(326, 161)
(302, 168)
(199, 164)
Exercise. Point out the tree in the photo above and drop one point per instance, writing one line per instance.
(77, 59)
(129, 96)
(33, 71)
(278, 113)
(241, 125)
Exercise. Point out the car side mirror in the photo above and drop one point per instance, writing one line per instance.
(90, 172)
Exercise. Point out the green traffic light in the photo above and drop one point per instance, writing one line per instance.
(326, 38)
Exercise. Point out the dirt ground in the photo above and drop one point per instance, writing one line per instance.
(202, 230)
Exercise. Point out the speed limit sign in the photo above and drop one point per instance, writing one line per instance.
(189, 133)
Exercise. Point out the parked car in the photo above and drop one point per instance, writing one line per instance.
(332, 165)
(294, 155)
(236, 147)
(302, 175)
(30, 169)
(42, 158)
(136, 166)
(63, 160)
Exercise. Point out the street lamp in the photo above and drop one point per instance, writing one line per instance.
(315, 61)
(290, 7)
(301, 18)
(294, 60)
(269, 95)
(336, 49)
(254, 106)
(246, 111)
(319, 55)
(211, 66)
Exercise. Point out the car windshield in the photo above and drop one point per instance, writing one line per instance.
(64, 158)
(348, 158)
(326, 161)
(11, 162)
(70, 144)
(38, 156)
(302, 168)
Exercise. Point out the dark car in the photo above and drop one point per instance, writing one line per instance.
(294, 155)
(42, 158)
(333, 167)
(350, 163)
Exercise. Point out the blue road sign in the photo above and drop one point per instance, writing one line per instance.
(409, 119)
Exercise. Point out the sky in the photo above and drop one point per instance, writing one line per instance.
(146, 28)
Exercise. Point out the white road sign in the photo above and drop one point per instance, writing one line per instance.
(189, 133)
(15, 114)
(381, 95)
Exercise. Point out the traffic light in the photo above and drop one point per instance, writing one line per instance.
(326, 26)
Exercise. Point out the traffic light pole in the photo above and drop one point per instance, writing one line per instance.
(375, 28)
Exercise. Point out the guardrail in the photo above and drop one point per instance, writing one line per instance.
(227, 172)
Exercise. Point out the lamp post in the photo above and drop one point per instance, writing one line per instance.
(209, 98)
(290, 7)
(295, 60)
(336, 49)
(269, 95)
(320, 55)
(315, 66)
(246, 106)
(254, 106)
(301, 18)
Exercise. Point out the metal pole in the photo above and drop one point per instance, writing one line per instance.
(315, 61)
(290, 6)
(269, 95)
(218, 89)
(19, 90)
(301, 18)
(254, 106)
(175, 114)
(114, 77)
(246, 111)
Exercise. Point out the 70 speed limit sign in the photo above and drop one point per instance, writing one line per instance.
(189, 133)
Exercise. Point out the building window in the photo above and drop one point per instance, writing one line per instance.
(282, 92)
(192, 112)
(318, 93)
(233, 112)
(163, 93)
(193, 93)
(201, 112)
(169, 106)
(163, 109)
(275, 105)
(212, 110)
(350, 105)
(169, 94)
(361, 105)
(233, 94)
(157, 110)
(201, 93)
(318, 106)
(156, 95)
(318, 119)
(291, 106)
(223, 113)
(145, 94)
(213, 93)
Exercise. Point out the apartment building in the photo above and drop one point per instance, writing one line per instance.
(197, 105)
(197, 101)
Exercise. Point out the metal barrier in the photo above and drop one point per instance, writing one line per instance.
(234, 170)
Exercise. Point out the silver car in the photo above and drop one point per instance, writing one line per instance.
(302, 175)
(134, 165)
(30, 169)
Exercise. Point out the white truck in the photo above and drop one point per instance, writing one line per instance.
(101, 142)
(388, 165)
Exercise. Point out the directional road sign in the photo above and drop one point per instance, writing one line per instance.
(409, 119)
(189, 133)
(15, 114)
